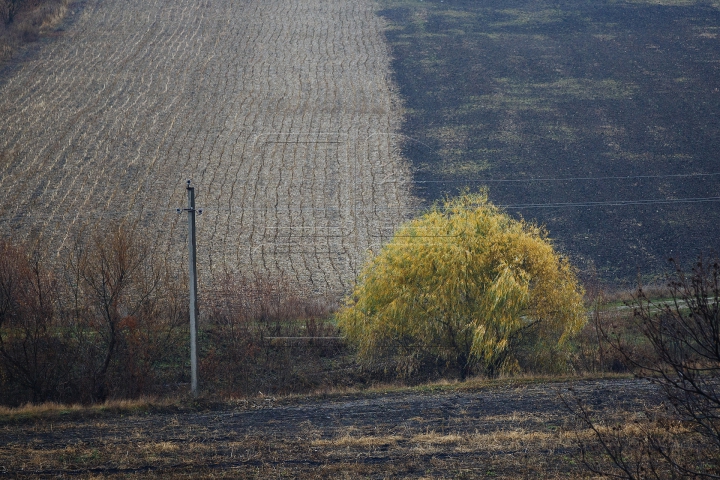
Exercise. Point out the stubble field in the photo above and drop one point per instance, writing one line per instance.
(281, 112)
(507, 431)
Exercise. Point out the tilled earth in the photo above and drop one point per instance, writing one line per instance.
(510, 431)
(281, 112)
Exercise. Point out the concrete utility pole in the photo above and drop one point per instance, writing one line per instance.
(193, 288)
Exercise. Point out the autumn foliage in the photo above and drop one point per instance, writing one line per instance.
(107, 323)
(465, 285)
(108, 319)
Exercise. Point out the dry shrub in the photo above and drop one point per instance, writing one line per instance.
(611, 325)
(33, 349)
(679, 351)
(7, 10)
(111, 323)
(105, 325)
(592, 352)
(649, 444)
(126, 312)
(267, 335)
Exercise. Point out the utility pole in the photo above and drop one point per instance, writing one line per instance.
(193, 286)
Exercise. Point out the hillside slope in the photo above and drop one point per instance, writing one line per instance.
(281, 112)
(599, 119)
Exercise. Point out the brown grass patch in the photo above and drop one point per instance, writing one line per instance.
(33, 20)
(52, 409)
(445, 434)
(160, 447)
(436, 438)
(362, 441)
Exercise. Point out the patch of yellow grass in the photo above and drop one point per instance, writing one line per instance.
(52, 408)
(133, 404)
(499, 440)
(30, 409)
(160, 447)
(361, 441)
(515, 439)
(436, 438)
(640, 429)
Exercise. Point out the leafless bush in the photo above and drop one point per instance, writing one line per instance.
(37, 11)
(611, 315)
(112, 323)
(593, 352)
(266, 335)
(684, 362)
(8, 9)
(101, 327)
(125, 312)
(32, 350)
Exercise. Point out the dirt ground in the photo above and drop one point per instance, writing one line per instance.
(509, 431)
(281, 112)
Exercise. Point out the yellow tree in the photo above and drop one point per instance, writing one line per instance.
(464, 284)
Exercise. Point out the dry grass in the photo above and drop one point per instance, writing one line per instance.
(34, 20)
(150, 403)
(341, 451)
(413, 433)
(52, 409)
(436, 439)
(349, 440)
(39, 409)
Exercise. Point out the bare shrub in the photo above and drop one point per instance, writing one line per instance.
(8, 9)
(23, 21)
(683, 360)
(592, 351)
(266, 335)
(611, 314)
(106, 324)
(112, 323)
(36, 10)
(32, 343)
(125, 312)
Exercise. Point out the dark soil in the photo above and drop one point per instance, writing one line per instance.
(597, 118)
(511, 431)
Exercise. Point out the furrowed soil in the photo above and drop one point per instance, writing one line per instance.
(509, 431)
(597, 118)
(281, 112)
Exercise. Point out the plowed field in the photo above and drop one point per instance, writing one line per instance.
(595, 118)
(281, 112)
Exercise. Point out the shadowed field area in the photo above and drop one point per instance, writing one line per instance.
(599, 119)
(26, 21)
(510, 431)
